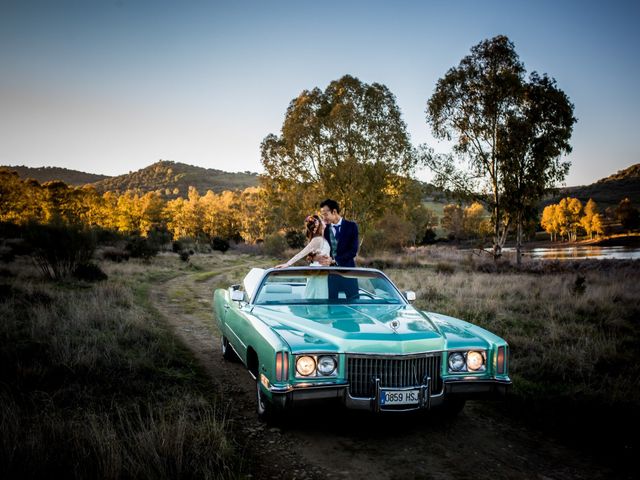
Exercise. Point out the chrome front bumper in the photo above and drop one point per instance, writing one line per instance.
(285, 397)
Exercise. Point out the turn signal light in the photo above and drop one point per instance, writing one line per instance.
(282, 366)
(502, 361)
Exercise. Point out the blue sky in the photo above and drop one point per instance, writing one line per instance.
(113, 86)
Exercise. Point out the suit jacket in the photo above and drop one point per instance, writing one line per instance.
(347, 243)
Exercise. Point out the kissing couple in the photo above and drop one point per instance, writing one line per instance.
(333, 240)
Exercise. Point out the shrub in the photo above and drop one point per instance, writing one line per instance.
(184, 256)
(220, 244)
(58, 250)
(89, 272)
(139, 247)
(295, 239)
(176, 246)
(275, 245)
(444, 268)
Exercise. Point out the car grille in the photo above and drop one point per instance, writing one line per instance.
(393, 372)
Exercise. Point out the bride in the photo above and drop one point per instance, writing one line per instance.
(317, 245)
(317, 287)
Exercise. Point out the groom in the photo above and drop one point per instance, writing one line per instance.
(341, 234)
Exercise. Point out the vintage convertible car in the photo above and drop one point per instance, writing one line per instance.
(349, 334)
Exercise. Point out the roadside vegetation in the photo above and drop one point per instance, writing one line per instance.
(572, 328)
(93, 384)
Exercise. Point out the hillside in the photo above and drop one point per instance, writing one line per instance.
(46, 174)
(606, 192)
(174, 179)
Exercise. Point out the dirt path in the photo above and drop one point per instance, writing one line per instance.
(338, 444)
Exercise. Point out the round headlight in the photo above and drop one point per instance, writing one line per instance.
(326, 365)
(456, 362)
(305, 365)
(475, 361)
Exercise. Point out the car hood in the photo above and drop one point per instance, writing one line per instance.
(389, 329)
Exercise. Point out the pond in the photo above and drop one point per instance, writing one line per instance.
(579, 252)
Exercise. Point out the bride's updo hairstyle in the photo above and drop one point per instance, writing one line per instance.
(312, 224)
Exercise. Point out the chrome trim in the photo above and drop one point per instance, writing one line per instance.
(365, 372)
(307, 386)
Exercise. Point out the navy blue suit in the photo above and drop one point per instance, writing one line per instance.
(347, 248)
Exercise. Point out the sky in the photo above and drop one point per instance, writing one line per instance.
(110, 87)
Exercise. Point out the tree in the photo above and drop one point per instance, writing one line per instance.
(592, 221)
(627, 214)
(347, 142)
(533, 139)
(508, 133)
(453, 220)
(550, 221)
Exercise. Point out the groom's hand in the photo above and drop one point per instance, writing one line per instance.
(323, 260)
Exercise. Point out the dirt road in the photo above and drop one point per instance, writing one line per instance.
(336, 444)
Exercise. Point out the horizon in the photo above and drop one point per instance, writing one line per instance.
(249, 172)
(114, 87)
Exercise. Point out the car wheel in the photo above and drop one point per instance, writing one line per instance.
(264, 407)
(227, 351)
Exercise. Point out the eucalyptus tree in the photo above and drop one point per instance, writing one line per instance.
(508, 133)
(349, 143)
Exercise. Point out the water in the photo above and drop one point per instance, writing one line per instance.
(579, 252)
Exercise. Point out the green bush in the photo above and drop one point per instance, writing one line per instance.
(220, 244)
(58, 250)
(89, 272)
(140, 247)
(295, 239)
(275, 245)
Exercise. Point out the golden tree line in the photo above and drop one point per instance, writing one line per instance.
(238, 214)
(567, 218)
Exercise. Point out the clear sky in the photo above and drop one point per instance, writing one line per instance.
(112, 86)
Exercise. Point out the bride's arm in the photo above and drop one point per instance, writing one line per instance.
(313, 246)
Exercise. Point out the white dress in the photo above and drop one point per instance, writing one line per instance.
(317, 245)
(317, 286)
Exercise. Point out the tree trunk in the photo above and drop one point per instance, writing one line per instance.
(519, 241)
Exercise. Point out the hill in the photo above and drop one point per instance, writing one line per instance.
(606, 192)
(46, 174)
(174, 179)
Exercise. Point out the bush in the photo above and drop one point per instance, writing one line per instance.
(159, 237)
(58, 250)
(89, 272)
(140, 247)
(295, 239)
(275, 245)
(220, 244)
(176, 246)
(184, 256)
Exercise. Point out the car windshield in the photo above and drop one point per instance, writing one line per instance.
(326, 287)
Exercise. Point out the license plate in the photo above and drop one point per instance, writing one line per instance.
(399, 397)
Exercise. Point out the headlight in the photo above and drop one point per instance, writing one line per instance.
(456, 362)
(475, 361)
(305, 365)
(326, 365)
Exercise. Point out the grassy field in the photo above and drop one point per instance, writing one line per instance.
(573, 330)
(94, 385)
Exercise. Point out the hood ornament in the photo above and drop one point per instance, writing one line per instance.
(395, 324)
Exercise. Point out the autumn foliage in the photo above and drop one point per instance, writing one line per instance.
(566, 219)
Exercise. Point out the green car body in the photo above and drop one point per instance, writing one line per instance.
(386, 355)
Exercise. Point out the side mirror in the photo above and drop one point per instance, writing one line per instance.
(237, 295)
(410, 295)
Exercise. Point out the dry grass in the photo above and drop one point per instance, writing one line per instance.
(93, 385)
(562, 341)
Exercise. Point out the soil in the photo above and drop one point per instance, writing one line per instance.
(329, 442)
